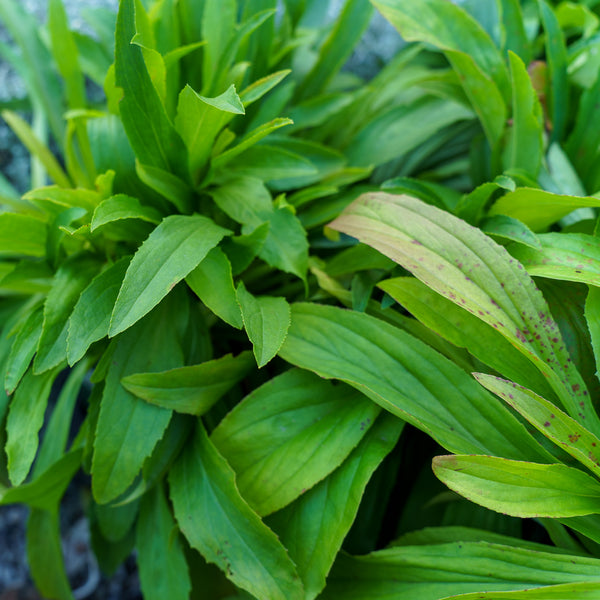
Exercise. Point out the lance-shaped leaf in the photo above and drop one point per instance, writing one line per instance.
(520, 489)
(90, 319)
(407, 378)
(22, 235)
(565, 432)
(212, 282)
(324, 514)
(129, 428)
(296, 414)
(120, 207)
(191, 390)
(537, 208)
(510, 229)
(219, 524)
(565, 256)
(160, 553)
(266, 320)
(431, 572)
(572, 591)
(461, 263)
(170, 253)
(465, 330)
(151, 134)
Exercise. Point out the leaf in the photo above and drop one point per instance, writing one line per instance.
(558, 85)
(538, 209)
(70, 280)
(90, 319)
(212, 282)
(221, 526)
(525, 146)
(557, 426)
(199, 120)
(122, 206)
(24, 421)
(337, 48)
(22, 235)
(241, 250)
(269, 163)
(23, 349)
(128, 429)
(510, 229)
(520, 489)
(461, 263)
(405, 377)
(572, 591)
(45, 555)
(171, 187)
(190, 390)
(513, 27)
(257, 89)
(465, 330)
(218, 26)
(171, 252)
(339, 494)
(266, 320)
(160, 554)
(295, 414)
(433, 571)
(565, 256)
(150, 133)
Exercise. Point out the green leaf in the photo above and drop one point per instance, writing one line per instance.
(461, 263)
(120, 207)
(116, 521)
(448, 27)
(508, 228)
(294, 414)
(407, 378)
(176, 191)
(80, 197)
(266, 320)
(200, 119)
(431, 572)
(538, 208)
(190, 390)
(241, 250)
(70, 280)
(44, 555)
(513, 27)
(257, 89)
(525, 146)
(572, 591)
(90, 319)
(23, 349)
(558, 84)
(128, 428)
(557, 426)
(22, 235)
(465, 330)
(565, 256)
(171, 252)
(325, 513)
(520, 489)
(218, 26)
(151, 134)
(160, 554)
(212, 282)
(24, 421)
(337, 48)
(219, 524)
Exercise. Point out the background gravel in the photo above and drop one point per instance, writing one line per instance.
(377, 46)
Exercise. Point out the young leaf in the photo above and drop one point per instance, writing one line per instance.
(190, 390)
(219, 524)
(461, 263)
(161, 558)
(151, 134)
(294, 413)
(520, 489)
(324, 514)
(266, 320)
(171, 252)
(407, 378)
(212, 282)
